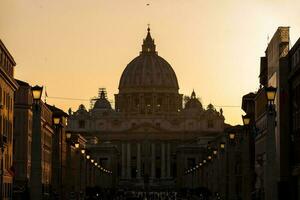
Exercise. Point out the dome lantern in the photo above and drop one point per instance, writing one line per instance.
(148, 44)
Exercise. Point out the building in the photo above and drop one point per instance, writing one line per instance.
(59, 145)
(272, 143)
(225, 169)
(22, 139)
(7, 88)
(294, 81)
(146, 140)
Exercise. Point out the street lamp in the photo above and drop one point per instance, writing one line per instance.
(209, 157)
(246, 119)
(92, 160)
(83, 151)
(231, 136)
(271, 93)
(56, 122)
(36, 146)
(68, 135)
(270, 144)
(88, 157)
(204, 161)
(215, 152)
(222, 145)
(37, 92)
(77, 145)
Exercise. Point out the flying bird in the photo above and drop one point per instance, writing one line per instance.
(148, 4)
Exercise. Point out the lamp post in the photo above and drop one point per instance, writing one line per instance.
(36, 146)
(68, 164)
(271, 165)
(249, 152)
(83, 153)
(57, 124)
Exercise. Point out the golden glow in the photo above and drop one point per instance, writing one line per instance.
(246, 120)
(222, 145)
(36, 92)
(57, 44)
(232, 136)
(271, 93)
(83, 151)
(68, 135)
(76, 145)
(92, 160)
(88, 157)
(215, 152)
(56, 120)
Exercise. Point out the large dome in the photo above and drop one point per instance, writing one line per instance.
(148, 70)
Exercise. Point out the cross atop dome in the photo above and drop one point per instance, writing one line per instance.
(148, 43)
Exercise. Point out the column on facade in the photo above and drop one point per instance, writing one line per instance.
(153, 160)
(138, 160)
(140, 105)
(123, 169)
(163, 161)
(128, 161)
(168, 160)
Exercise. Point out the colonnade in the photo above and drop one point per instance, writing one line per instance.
(164, 154)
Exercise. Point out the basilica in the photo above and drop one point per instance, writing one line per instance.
(153, 134)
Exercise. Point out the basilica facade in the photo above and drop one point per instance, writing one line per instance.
(151, 136)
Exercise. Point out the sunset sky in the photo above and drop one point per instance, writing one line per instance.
(73, 47)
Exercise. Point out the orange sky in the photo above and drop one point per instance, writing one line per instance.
(73, 47)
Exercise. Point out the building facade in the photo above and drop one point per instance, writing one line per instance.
(58, 153)
(145, 139)
(23, 139)
(294, 81)
(271, 125)
(7, 88)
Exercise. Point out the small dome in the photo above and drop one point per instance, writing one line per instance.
(193, 102)
(102, 102)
